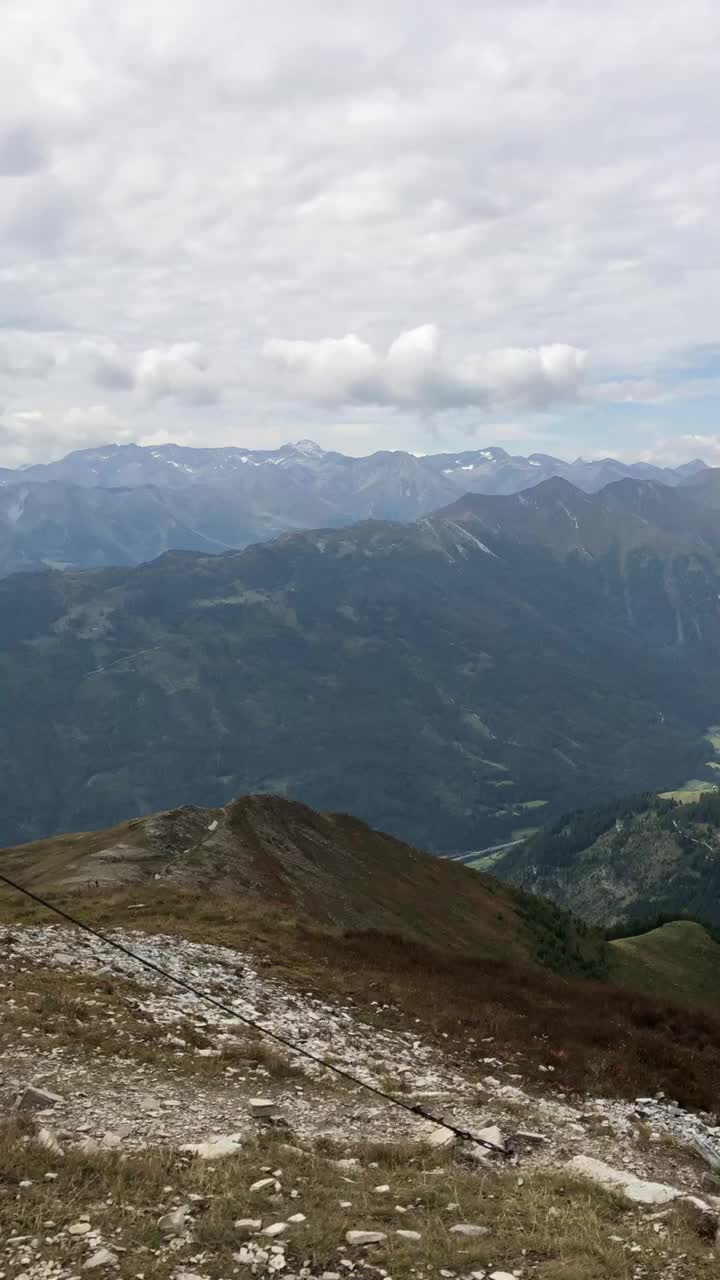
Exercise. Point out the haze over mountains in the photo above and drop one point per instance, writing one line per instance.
(452, 680)
(122, 504)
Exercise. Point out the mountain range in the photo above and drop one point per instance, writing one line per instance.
(123, 504)
(451, 680)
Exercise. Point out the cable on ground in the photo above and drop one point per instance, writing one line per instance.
(416, 1109)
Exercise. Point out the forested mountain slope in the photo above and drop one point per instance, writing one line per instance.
(447, 680)
(636, 859)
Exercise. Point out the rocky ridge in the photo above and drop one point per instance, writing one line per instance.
(647, 1150)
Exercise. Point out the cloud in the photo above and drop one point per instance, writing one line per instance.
(22, 150)
(685, 448)
(22, 356)
(171, 169)
(179, 372)
(108, 368)
(95, 421)
(31, 435)
(413, 373)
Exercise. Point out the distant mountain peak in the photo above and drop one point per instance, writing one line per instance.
(308, 448)
(554, 487)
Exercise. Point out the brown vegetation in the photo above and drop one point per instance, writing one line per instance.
(51, 1008)
(596, 1036)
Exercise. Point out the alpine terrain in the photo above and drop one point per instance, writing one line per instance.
(456, 681)
(122, 504)
(455, 1085)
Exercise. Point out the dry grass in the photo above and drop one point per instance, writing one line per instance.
(599, 1038)
(550, 1226)
(103, 1017)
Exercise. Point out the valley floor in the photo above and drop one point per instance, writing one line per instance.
(152, 1117)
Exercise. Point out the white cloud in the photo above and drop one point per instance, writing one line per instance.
(22, 150)
(27, 435)
(685, 448)
(224, 173)
(108, 367)
(180, 371)
(23, 356)
(414, 373)
(94, 421)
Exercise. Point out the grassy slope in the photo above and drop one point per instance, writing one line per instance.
(47, 862)
(329, 868)
(597, 1036)
(465, 955)
(677, 961)
(579, 1231)
(386, 885)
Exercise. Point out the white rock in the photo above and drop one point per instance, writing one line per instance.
(512, 1093)
(435, 1135)
(491, 1134)
(263, 1184)
(500, 1275)
(215, 1147)
(173, 1223)
(469, 1229)
(34, 1097)
(247, 1225)
(276, 1229)
(101, 1258)
(382, 1190)
(261, 1108)
(79, 1229)
(703, 1205)
(108, 1142)
(47, 1139)
(408, 1235)
(632, 1187)
(297, 1217)
(365, 1237)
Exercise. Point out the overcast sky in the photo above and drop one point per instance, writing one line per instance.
(394, 224)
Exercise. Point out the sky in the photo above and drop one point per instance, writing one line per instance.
(388, 224)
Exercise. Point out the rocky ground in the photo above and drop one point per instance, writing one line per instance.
(110, 1067)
